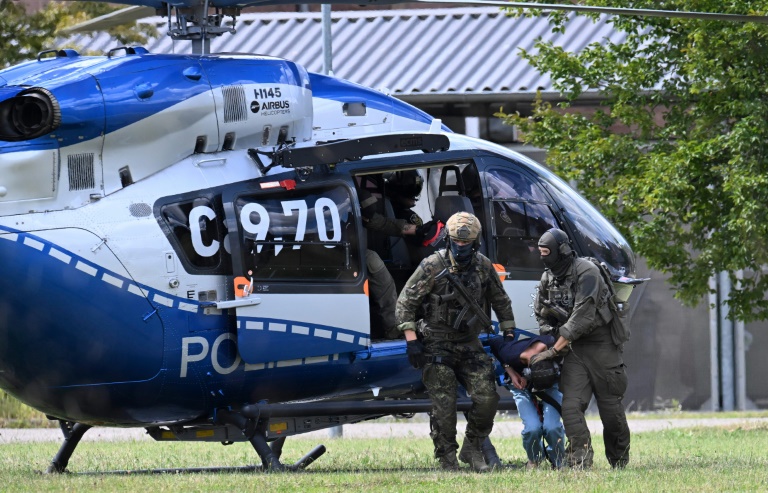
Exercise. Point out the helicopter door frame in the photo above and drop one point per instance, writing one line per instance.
(304, 298)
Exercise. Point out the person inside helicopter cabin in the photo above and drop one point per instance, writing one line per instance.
(383, 292)
(447, 346)
(403, 188)
(537, 396)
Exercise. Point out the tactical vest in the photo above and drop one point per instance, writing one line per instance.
(563, 293)
(443, 308)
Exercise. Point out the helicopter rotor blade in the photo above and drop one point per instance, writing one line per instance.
(136, 12)
(675, 14)
(113, 19)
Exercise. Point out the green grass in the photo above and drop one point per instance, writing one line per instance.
(701, 459)
(14, 414)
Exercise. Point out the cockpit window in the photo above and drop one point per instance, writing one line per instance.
(298, 235)
(600, 238)
(521, 214)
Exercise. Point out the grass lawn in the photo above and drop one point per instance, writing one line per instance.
(701, 459)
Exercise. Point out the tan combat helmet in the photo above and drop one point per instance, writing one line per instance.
(464, 226)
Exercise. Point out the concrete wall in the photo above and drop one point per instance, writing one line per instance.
(669, 354)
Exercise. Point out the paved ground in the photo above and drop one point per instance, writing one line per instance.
(508, 427)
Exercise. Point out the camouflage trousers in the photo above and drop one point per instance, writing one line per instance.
(383, 298)
(468, 365)
(594, 369)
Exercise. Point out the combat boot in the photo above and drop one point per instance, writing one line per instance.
(472, 454)
(448, 462)
(490, 454)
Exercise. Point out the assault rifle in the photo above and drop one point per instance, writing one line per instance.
(470, 306)
(553, 312)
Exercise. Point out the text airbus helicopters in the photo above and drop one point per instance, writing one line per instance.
(140, 194)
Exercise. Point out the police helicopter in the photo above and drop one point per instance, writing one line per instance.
(183, 248)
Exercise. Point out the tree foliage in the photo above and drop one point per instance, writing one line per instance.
(677, 154)
(25, 34)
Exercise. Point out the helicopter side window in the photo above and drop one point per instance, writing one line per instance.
(300, 235)
(198, 232)
(521, 214)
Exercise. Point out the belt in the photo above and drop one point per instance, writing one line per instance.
(447, 335)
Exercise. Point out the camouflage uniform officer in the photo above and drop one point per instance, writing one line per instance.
(451, 352)
(594, 363)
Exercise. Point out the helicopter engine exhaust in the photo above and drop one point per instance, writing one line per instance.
(30, 114)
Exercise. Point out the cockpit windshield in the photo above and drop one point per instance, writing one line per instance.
(595, 233)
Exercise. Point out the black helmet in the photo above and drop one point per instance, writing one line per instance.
(406, 183)
(544, 374)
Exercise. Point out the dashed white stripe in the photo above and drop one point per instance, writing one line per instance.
(163, 300)
(345, 337)
(37, 245)
(300, 329)
(10, 237)
(59, 255)
(316, 359)
(325, 334)
(132, 288)
(82, 266)
(252, 325)
(290, 362)
(112, 280)
(276, 327)
(250, 367)
(189, 307)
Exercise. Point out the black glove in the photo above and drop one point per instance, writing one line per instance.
(416, 355)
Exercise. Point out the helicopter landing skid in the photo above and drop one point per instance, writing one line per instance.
(256, 432)
(268, 453)
(72, 435)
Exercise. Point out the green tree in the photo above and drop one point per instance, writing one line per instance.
(23, 35)
(677, 154)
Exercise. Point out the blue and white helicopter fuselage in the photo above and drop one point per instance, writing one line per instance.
(182, 240)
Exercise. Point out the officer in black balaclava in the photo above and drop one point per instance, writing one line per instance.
(560, 256)
(592, 363)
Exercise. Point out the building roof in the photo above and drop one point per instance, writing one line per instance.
(423, 55)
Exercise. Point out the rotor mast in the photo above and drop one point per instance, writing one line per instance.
(198, 25)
